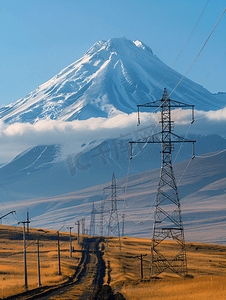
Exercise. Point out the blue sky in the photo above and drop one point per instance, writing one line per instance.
(41, 37)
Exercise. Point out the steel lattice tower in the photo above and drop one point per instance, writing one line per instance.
(123, 224)
(102, 218)
(167, 217)
(113, 225)
(92, 221)
(101, 212)
(83, 225)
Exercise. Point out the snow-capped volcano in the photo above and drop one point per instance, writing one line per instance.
(65, 165)
(112, 77)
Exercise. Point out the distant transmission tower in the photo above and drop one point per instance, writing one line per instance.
(95, 223)
(167, 217)
(92, 221)
(83, 225)
(102, 211)
(102, 218)
(113, 225)
(123, 224)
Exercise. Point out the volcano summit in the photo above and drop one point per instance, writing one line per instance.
(112, 77)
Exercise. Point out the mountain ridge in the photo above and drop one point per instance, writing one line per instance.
(111, 78)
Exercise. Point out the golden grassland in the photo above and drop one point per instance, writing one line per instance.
(206, 262)
(12, 259)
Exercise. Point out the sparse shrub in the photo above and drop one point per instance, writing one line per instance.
(188, 276)
(104, 292)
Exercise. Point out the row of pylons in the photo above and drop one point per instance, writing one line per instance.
(167, 223)
(113, 227)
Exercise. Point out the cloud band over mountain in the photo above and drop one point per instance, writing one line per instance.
(17, 137)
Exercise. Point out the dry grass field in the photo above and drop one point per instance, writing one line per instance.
(12, 259)
(206, 262)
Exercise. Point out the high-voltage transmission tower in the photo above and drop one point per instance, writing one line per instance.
(83, 225)
(123, 224)
(101, 212)
(102, 218)
(113, 225)
(94, 224)
(167, 217)
(92, 221)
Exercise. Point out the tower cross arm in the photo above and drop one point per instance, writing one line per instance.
(117, 199)
(157, 138)
(106, 211)
(11, 212)
(159, 103)
(154, 138)
(166, 102)
(114, 187)
(180, 139)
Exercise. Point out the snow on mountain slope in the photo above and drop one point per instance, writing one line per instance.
(220, 97)
(112, 77)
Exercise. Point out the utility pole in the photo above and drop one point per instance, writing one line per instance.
(25, 254)
(113, 225)
(167, 217)
(70, 241)
(39, 274)
(78, 224)
(58, 248)
(123, 224)
(141, 264)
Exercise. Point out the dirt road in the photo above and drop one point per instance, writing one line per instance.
(89, 273)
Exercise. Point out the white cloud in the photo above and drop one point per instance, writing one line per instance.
(15, 138)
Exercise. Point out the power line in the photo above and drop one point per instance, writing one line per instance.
(198, 53)
(193, 61)
(207, 156)
(204, 79)
(184, 170)
(11, 196)
(167, 217)
(179, 53)
(127, 207)
(212, 68)
(133, 156)
(127, 178)
(143, 177)
(181, 145)
(7, 209)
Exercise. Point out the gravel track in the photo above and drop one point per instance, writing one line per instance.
(89, 273)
